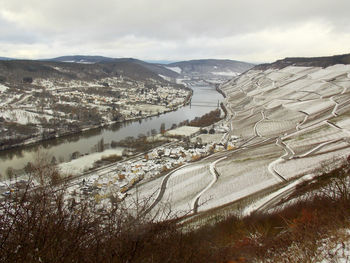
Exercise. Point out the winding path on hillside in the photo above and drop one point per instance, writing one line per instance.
(215, 176)
(271, 166)
(163, 188)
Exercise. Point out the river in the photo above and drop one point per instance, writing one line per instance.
(205, 99)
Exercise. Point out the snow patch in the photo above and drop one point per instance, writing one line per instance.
(164, 77)
(3, 88)
(260, 203)
(84, 163)
(23, 117)
(175, 69)
(183, 131)
(226, 73)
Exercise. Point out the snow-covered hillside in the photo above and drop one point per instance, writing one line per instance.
(213, 70)
(283, 124)
(297, 119)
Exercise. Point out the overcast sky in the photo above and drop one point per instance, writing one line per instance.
(254, 31)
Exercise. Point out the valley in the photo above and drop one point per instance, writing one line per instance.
(174, 131)
(282, 123)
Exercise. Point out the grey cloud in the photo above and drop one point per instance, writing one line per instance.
(11, 33)
(174, 28)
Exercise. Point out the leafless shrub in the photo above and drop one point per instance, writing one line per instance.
(42, 224)
(43, 170)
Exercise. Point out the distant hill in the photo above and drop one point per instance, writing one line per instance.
(81, 59)
(307, 62)
(210, 68)
(95, 67)
(16, 70)
(5, 58)
(161, 61)
(203, 68)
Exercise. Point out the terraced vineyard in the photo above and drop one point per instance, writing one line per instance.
(289, 121)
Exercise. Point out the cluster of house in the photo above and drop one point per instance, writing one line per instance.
(155, 163)
(131, 94)
(136, 103)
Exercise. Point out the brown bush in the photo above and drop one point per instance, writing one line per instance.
(206, 119)
(111, 158)
(121, 177)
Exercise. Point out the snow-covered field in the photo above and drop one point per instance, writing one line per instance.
(184, 185)
(208, 138)
(175, 69)
(23, 116)
(226, 73)
(182, 131)
(267, 127)
(144, 194)
(312, 163)
(79, 165)
(149, 108)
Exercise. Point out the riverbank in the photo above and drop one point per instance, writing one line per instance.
(217, 87)
(38, 139)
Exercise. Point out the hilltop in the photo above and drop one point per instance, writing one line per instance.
(82, 66)
(307, 62)
(16, 70)
(210, 68)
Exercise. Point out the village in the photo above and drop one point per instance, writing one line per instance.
(49, 108)
(188, 145)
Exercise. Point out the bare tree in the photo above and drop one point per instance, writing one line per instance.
(100, 145)
(153, 132)
(43, 170)
(162, 128)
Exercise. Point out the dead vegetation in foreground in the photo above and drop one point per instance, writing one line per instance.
(41, 226)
